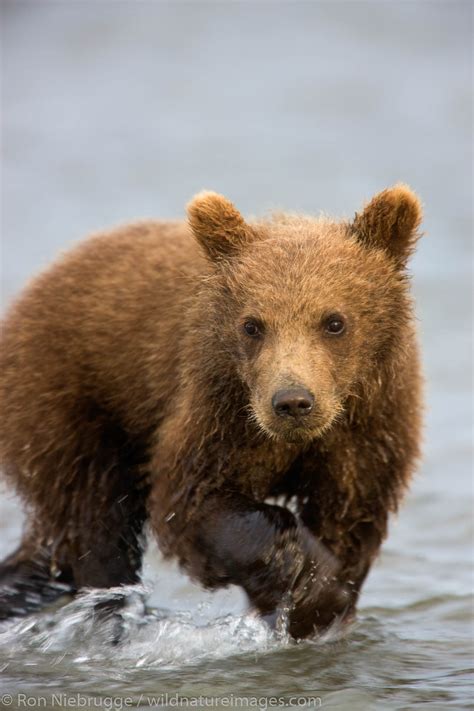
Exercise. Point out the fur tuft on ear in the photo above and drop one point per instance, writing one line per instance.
(390, 221)
(217, 225)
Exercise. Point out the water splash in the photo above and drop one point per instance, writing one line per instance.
(99, 624)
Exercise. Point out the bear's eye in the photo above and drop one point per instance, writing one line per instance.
(252, 328)
(335, 325)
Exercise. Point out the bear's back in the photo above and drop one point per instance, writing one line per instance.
(102, 324)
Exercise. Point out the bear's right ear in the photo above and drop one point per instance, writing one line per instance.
(218, 226)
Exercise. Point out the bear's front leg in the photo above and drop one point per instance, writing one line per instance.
(231, 539)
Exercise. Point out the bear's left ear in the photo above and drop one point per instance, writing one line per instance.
(218, 226)
(390, 221)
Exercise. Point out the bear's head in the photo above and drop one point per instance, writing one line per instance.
(307, 310)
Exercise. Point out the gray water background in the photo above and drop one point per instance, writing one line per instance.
(118, 110)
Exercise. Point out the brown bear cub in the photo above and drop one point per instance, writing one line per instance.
(185, 373)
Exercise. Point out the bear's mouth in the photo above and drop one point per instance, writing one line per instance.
(299, 434)
(292, 428)
(292, 432)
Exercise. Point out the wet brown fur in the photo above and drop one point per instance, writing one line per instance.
(130, 391)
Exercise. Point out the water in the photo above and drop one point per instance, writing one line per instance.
(119, 110)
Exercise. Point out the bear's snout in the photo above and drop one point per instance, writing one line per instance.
(292, 402)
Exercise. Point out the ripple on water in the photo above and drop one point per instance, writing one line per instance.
(89, 650)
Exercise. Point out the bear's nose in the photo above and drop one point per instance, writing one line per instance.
(294, 402)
